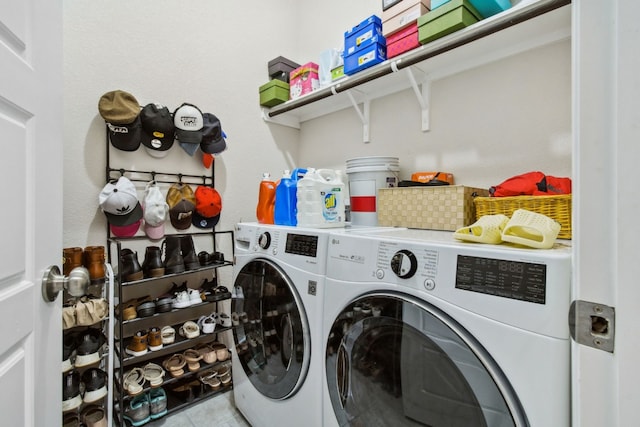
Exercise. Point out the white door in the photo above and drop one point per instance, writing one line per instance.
(606, 112)
(30, 210)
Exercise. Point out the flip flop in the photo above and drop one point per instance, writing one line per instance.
(487, 229)
(531, 229)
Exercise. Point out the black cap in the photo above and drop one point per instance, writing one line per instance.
(212, 136)
(158, 130)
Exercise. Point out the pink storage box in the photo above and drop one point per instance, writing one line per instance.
(403, 40)
(403, 14)
(303, 80)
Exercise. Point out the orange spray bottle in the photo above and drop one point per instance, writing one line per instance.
(266, 200)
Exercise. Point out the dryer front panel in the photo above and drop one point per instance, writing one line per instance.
(395, 360)
(272, 331)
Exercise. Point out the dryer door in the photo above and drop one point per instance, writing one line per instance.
(272, 337)
(393, 360)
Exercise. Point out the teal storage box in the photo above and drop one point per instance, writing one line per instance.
(488, 8)
(273, 93)
(446, 19)
(364, 58)
(362, 35)
(437, 3)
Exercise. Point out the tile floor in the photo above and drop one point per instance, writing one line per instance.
(218, 411)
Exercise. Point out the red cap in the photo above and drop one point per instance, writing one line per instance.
(208, 201)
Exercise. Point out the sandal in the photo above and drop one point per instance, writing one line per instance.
(224, 375)
(154, 374)
(189, 329)
(134, 381)
(168, 335)
(222, 352)
(210, 378)
(209, 354)
(193, 358)
(531, 229)
(174, 365)
(487, 229)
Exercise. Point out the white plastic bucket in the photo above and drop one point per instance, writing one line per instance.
(366, 176)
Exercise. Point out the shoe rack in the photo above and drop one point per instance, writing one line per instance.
(168, 352)
(87, 360)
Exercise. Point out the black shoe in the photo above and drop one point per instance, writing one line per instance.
(191, 261)
(69, 344)
(71, 398)
(95, 385)
(131, 269)
(173, 260)
(152, 265)
(88, 350)
(205, 258)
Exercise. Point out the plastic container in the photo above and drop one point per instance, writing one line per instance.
(366, 176)
(321, 199)
(266, 200)
(286, 197)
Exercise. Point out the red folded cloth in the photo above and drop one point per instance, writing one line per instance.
(532, 184)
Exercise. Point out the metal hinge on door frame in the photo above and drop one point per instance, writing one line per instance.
(592, 324)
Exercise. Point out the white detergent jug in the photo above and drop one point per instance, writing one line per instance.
(320, 197)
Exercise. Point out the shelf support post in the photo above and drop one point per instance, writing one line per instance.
(363, 114)
(423, 94)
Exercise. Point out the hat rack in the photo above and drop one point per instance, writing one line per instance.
(139, 176)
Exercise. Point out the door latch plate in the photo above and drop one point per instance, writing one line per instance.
(592, 324)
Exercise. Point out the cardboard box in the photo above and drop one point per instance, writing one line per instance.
(362, 35)
(273, 93)
(430, 208)
(446, 19)
(364, 58)
(428, 176)
(403, 40)
(402, 15)
(303, 80)
(280, 67)
(488, 8)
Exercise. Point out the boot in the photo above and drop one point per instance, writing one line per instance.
(173, 260)
(152, 265)
(94, 261)
(71, 258)
(191, 261)
(131, 269)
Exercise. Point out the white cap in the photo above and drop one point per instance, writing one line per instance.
(156, 210)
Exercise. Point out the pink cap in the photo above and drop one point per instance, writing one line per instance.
(154, 233)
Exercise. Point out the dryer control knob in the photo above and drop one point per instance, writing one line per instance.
(404, 264)
(264, 241)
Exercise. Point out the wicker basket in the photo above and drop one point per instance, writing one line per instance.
(556, 207)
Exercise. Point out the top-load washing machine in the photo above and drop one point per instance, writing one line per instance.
(277, 315)
(421, 330)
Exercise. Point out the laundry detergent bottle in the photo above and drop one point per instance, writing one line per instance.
(286, 197)
(321, 199)
(266, 200)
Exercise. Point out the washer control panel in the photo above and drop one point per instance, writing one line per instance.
(404, 264)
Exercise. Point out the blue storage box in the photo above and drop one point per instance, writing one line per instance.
(488, 8)
(364, 58)
(360, 36)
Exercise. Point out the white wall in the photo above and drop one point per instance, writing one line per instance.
(487, 124)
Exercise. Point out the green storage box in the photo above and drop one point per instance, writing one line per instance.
(273, 93)
(446, 19)
(337, 73)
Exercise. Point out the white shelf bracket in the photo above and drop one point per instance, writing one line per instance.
(423, 93)
(283, 119)
(363, 114)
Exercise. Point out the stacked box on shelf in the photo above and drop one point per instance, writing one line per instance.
(488, 8)
(280, 68)
(273, 93)
(401, 15)
(303, 80)
(446, 19)
(364, 45)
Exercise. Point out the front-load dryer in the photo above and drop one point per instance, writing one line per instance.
(421, 330)
(276, 311)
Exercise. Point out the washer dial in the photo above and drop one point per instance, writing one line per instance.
(264, 241)
(404, 264)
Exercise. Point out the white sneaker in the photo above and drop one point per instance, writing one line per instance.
(181, 300)
(194, 296)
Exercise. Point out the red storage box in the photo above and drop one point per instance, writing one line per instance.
(403, 40)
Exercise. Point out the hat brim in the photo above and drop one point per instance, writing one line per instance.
(192, 136)
(125, 230)
(154, 232)
(213, 146)
(127, 219)
(190, 148)
(126, 137)
(203, 222)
